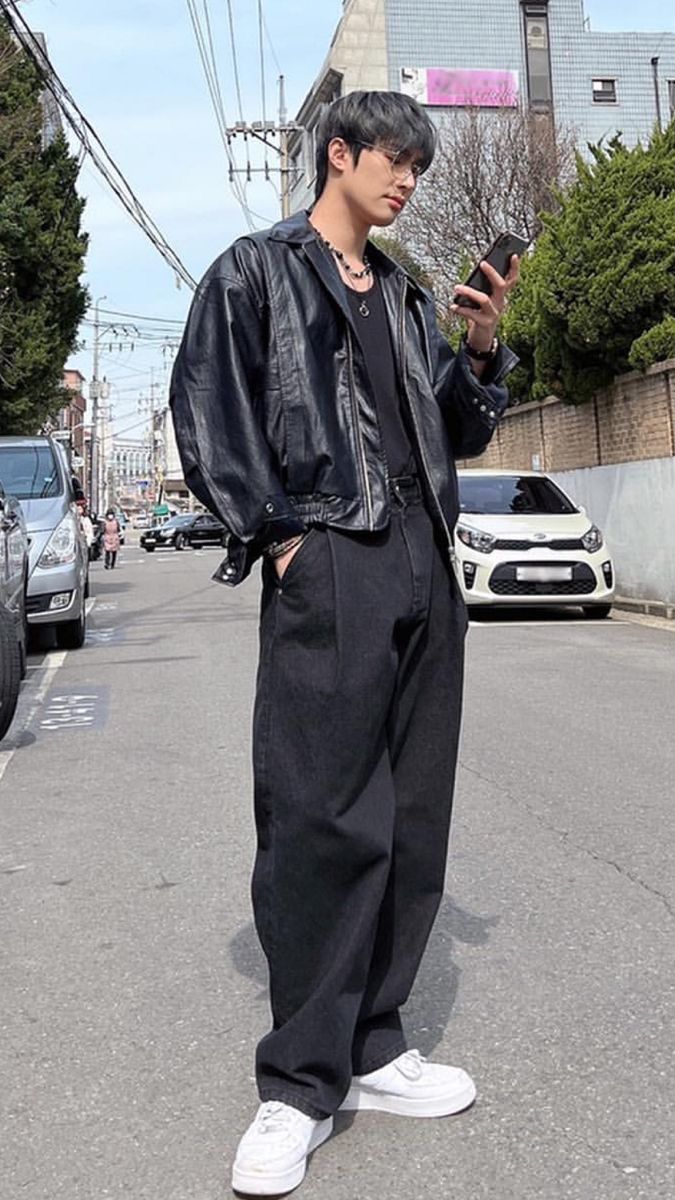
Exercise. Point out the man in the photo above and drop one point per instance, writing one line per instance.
(318, 411)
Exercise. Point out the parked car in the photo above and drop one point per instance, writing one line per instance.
(35, 470)
(521, 540)
(141, 521)
(186, 529)
(13, 627)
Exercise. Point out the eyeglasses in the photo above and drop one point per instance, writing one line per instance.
(400, 170)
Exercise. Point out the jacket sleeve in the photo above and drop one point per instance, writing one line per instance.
(217, 381)
(472, 407)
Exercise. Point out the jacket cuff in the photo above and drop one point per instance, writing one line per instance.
(278, 522)
(497, 369)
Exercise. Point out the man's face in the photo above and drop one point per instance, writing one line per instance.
(381, 183)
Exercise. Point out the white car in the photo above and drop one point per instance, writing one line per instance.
(520, 540)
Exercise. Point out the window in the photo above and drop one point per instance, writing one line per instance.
(604, 91)
(537, 52)
(671, 96)
(309, 147)
(504, 494)
(30, 472)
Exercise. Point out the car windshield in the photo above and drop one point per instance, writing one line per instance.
(505, 494)
(29, 472)
(176, 522)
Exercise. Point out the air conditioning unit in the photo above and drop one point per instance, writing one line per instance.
(536, 36)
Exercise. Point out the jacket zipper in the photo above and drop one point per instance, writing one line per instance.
(411, 409)
(357, 429)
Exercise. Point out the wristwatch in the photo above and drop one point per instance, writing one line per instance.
(481, 355)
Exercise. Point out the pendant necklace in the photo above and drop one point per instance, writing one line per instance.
(366, 273)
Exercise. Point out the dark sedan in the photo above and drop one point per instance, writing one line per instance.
(188, 529)
(13, 626)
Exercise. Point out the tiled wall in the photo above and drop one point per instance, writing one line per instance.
(489, 34)
(376, 38)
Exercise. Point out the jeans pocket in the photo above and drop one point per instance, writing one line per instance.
(291, 569)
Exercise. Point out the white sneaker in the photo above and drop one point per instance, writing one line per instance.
(411, 1087)
(272, 1155)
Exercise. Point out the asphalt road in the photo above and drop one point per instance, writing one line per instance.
(133, 992)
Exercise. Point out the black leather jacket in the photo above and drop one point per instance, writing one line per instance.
(273, 410)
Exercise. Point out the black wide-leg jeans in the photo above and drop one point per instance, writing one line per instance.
(356, 728)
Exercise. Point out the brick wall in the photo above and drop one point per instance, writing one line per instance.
(634, 419)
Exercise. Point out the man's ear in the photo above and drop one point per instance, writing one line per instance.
(339, 154)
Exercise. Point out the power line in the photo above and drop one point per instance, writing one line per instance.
(235, 64)
(213, 86)
(262, 77)
(90, 141)
(114, 312)
(271, 46)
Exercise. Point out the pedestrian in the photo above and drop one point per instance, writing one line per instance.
(111, 539)
(87, 528)
(318, 412)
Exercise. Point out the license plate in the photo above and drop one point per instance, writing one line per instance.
(543, 574)
(149, 542)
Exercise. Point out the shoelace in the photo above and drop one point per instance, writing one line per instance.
(411, 1064)
(272, 1117)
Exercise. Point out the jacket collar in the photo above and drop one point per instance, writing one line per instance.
(298, 231)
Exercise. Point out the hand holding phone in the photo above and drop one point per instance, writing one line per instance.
(499, 257)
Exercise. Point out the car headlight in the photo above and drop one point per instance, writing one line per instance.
(476, 539)
(166, 533)
(592, 540)
(62, 545)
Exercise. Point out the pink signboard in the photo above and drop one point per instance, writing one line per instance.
(461, 88)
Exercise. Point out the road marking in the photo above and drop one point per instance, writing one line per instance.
(76, 710)
(55, 660)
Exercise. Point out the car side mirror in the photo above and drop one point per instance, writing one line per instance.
(9, 508)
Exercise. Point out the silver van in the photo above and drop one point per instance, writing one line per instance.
(35, 470)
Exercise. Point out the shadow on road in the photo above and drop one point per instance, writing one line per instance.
(429, 1009)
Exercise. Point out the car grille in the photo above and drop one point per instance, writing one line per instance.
(38, 604)
(526, 544)
(503, 581)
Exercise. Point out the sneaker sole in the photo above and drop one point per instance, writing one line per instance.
(275, 1185)
(360, 1100)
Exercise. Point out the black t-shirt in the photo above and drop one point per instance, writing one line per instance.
(375, 338)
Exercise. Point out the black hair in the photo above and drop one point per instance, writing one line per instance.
(387, 119)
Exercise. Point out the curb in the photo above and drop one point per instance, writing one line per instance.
(648, 608)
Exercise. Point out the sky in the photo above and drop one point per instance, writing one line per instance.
(134, 70)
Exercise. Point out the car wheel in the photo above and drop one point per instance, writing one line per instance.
(597, 612)
(70, 635)
(181, 541)
(10, 672)
(149, 549)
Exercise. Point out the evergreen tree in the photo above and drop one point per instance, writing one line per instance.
(42, 250)
(598, 295)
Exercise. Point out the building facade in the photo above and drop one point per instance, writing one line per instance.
(130, 468)
(453, 54)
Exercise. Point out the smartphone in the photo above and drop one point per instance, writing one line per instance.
(498, 256)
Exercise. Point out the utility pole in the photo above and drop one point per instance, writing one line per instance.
(262, 131)
(94, 392)
(284, 168)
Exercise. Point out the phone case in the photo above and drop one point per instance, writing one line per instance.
(498, 256)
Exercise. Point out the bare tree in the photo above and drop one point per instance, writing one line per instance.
(494, 170)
